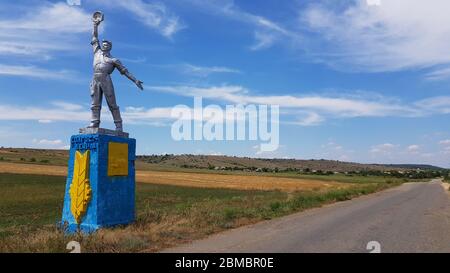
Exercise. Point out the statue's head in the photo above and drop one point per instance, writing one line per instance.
(106, 46)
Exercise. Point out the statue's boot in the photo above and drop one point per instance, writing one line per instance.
(95, 117)
(119, 127)
(117, 119)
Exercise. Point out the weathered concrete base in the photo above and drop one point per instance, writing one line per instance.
(110, 174)
(103, 131)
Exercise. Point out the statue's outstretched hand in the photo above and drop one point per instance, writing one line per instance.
(139, 84)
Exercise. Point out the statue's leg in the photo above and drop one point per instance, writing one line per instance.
(96, 104)
(111, 100)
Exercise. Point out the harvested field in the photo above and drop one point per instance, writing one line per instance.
(32, 169)
(241, 182)
(201, 180)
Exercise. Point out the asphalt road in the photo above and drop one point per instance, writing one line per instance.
(414, 217)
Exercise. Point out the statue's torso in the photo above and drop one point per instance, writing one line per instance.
(102, 63)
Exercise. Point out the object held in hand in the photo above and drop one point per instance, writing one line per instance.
(97, 17)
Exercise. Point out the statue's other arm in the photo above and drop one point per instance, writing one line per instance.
(124, 71)
(95, 42)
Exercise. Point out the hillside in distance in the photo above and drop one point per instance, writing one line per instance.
(217, 162)
(415, 166)
(247, 163)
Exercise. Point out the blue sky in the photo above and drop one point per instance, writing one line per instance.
(365, 81)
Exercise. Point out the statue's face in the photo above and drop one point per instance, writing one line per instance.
(106, 47)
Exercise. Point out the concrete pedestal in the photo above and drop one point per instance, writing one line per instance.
(100, 187)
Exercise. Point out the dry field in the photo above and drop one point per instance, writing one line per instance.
(200, 180)
(32, 169)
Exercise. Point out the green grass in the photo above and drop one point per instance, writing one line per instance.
(30, 205)
(29, 200)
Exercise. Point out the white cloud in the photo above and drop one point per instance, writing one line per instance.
(395, 155)
(394, 35)
(39, 32)
(389, 153)
(14, 112)
(67, 106)
(279, 153)
(153, 116)
(438, 74)
(445, 142)
(331, 145)
(136, 60)
(263, 40)
(215, 153)
(34, 72)
(373, 2)
(47, 142)
(306, 110)
(266, 31)
(55, 18)
(309, 119)
(435, 104)
(385, 148)
(315, 107)
(154, 15)
(334, 151)
(357, 35)
(414, 149)
(69, 112)
(205, 71)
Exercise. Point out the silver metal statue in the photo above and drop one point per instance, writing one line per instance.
(104, 65)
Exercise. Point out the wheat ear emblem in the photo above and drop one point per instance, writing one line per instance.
(80, 190)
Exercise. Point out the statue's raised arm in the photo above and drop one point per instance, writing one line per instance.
(97, 18)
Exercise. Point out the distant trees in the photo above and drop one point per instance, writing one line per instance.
(314, 167)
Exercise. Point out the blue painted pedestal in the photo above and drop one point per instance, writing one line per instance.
(112, 199)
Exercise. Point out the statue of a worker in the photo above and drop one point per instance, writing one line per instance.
(104, 65)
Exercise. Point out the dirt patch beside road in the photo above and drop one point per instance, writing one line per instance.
(446, 186)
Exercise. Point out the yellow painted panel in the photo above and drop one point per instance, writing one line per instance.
(80, 190)
(117, 159)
